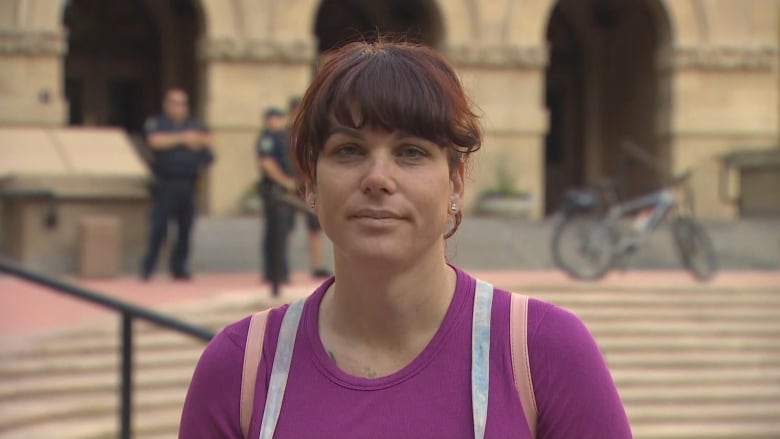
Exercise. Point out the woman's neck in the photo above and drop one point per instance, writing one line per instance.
(388, 307)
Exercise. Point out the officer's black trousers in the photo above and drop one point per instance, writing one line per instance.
(278, 221)
(173, 199)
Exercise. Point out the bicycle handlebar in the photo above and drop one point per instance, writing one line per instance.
(640, 155)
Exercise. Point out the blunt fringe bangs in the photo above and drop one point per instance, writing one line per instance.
(387, 85)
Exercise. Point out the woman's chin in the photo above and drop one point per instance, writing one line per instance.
(374, 254)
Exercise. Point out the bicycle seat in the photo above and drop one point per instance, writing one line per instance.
(581, 199)
(604, 184)
(681, 177)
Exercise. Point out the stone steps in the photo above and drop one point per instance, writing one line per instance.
(712, 375)
(75, 364)
(690, 363)
(700, 393)
(712, 428)
(763, 323)
(86, 406)
(161, 421)
(720, 411)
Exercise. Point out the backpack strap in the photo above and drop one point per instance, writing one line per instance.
(252, 353)
(518, 323)
(521, 367)
(281, 368)
(480, 355)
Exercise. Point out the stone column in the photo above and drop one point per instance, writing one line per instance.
(506, 82)
(243, 77)
(31, 77)
(725, 100)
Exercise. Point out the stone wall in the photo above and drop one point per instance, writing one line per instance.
(722, 66)
(53, 179)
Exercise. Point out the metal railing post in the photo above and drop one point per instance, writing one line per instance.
(126, 395)
(128, 311)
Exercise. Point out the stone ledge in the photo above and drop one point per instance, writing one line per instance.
(32, 43)
(726, 58)
(227, 49)
(714, 58)
(505, 56)
(85, 187)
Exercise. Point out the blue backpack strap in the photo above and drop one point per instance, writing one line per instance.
(480, 356)
(480, 362)
(281, 369)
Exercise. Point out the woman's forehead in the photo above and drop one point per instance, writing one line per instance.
(355, 124)
(358, 106)
(368, 129)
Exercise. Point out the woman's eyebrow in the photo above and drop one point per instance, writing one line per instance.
(347, 131)
(403, 134)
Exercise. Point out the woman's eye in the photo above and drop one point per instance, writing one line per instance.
(347, 150)
(412, 152)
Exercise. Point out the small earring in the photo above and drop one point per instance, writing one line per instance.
(453, 207)
(312, 203)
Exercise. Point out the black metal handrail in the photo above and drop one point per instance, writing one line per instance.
(129, 312)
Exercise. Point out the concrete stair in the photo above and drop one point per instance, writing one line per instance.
(65, 384)
(690, 362)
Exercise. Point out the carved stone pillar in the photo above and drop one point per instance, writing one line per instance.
(31, 77)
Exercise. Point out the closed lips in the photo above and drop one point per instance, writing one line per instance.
(376, 214)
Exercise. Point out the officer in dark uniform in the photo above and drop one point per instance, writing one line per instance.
(278, 178)
(316, 263)
(181, 149)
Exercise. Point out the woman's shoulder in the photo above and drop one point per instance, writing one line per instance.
(212, 404)
(543, 314)
(573, 387)
(235, 333)
(548, 323)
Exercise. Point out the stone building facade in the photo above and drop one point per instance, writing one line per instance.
(560, 83)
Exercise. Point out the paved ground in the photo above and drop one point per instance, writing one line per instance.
(29, 309)
(487, 243)
(690, 360)
(509, 252)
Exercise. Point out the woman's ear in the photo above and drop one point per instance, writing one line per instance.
(310, 196)
(457, 183)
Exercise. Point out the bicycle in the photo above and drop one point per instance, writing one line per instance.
(603, 230)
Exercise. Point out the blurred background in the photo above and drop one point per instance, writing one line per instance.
(559, 84)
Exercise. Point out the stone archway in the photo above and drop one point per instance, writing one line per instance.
(340, 21)
(607, 80)
(122, 55)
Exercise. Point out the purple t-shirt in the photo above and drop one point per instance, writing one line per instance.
(428, 398)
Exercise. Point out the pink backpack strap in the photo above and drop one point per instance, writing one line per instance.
(252, 353)
(521, 367)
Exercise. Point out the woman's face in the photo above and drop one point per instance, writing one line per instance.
(385, 196)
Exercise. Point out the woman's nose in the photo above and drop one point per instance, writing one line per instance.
(379, 177)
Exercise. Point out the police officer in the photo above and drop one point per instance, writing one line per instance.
(316, 264)
(181, 149)
(277, 179)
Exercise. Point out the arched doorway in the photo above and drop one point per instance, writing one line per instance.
(341, 21)
(122, 55)
(606, 81)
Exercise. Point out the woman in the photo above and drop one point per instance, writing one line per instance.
(383, 349)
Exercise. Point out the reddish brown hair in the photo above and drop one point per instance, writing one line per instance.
(388, 85)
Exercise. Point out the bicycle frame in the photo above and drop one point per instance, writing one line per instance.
(661, 202)
(594, 219)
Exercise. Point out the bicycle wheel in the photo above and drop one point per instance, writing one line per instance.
(582, 245)
(695, 247)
